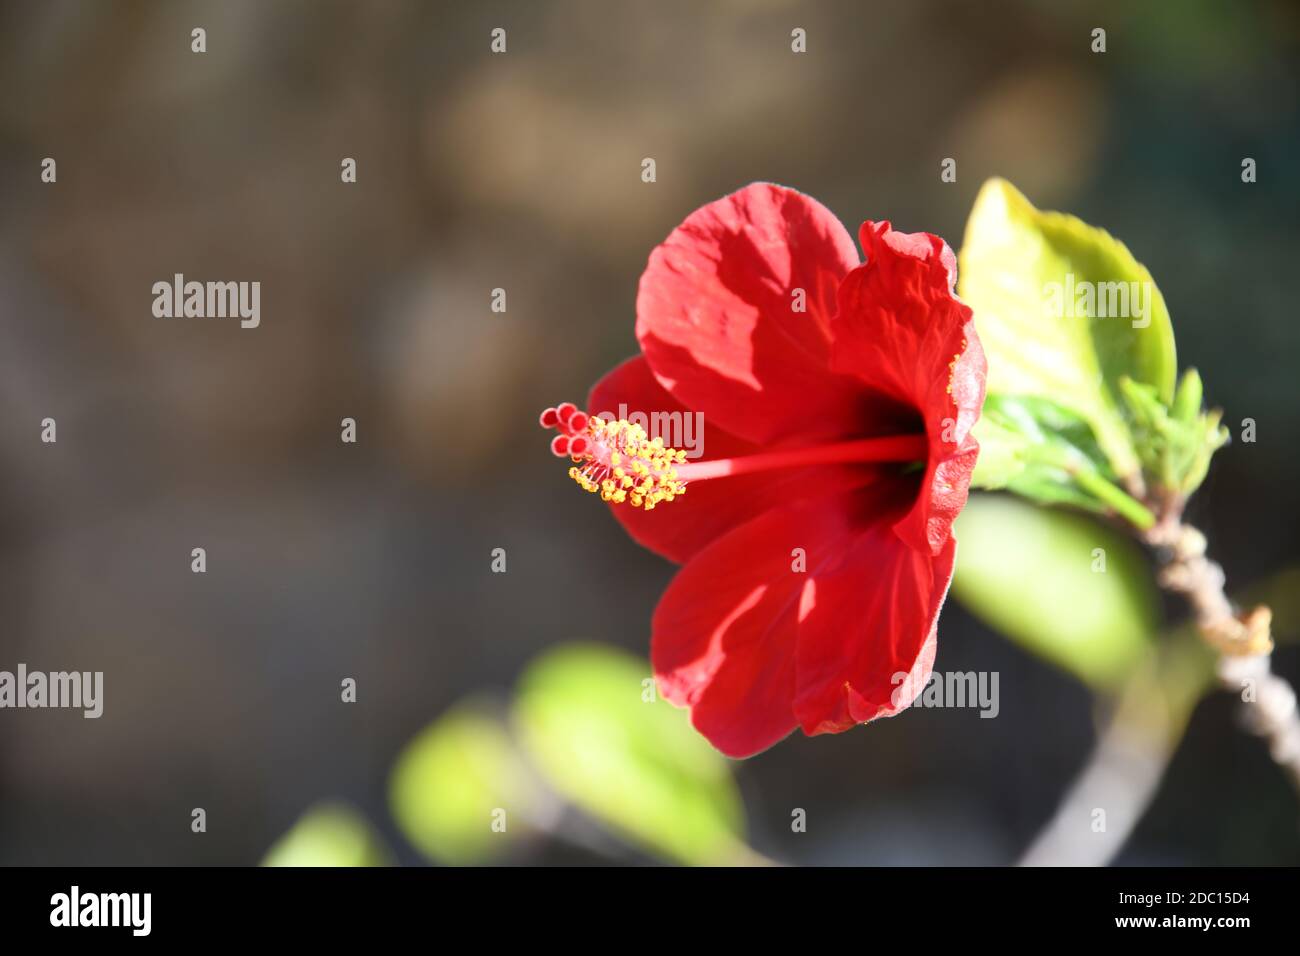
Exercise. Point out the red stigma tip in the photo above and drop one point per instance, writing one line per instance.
(578, 445)
(564, 410)
(549, 418)
(577, 421)
(560, 446)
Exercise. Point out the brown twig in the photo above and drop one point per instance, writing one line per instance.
(1243, 640)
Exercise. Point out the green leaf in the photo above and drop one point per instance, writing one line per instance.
(451, 781)
(1035, 575)
(635, 764)
(1003, 450)
(330, 834)
(1045, 452)
(1045, 288)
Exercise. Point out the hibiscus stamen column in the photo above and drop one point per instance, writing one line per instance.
(622, 463)
(904, 448)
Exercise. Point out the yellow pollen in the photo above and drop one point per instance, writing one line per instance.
(952, 366)
(622, 464)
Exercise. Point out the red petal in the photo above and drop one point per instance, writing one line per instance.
(867, 622)
(901, 329)
(725, 630)
(715, 315)
(709, 509)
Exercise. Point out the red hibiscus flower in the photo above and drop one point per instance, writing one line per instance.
(837, 399)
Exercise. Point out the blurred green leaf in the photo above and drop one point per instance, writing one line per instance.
(1029, 573)
(1019, 269)
(451, 779)
(329, 834)
(637, 766)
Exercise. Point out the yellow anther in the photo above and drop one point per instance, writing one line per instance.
(623, 465)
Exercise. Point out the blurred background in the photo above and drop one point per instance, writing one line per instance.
(522, 171)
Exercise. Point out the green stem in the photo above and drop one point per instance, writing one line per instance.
(1126, 506)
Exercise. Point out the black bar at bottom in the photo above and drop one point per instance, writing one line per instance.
(652, 905)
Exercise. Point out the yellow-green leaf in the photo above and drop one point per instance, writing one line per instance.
(1064, 312)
